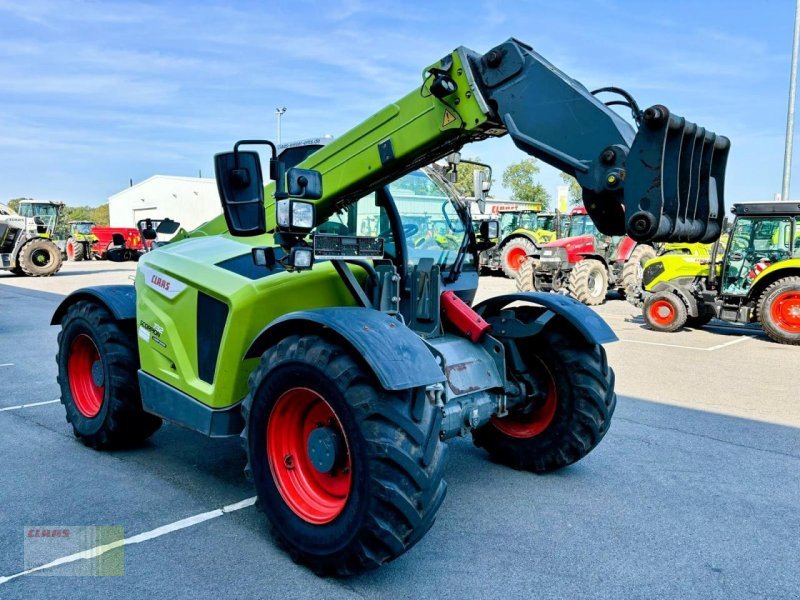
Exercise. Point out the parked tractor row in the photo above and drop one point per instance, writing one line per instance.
(754, 277)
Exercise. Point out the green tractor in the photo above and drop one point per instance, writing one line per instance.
(306, 321)
(80, 240)
(26, 244)
(756, 279)
(522, 234)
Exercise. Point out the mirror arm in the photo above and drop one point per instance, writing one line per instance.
(276, 168)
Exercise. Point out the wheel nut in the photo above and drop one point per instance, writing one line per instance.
(288, 461)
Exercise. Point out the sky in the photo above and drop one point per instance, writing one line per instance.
(95, 94)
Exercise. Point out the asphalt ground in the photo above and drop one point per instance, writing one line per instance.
(693, 493)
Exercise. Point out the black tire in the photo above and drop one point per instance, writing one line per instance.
(524, 278)
(40, 258)
(397, 458)
(512, 247)
(120, 420)
(777, 311)
(703, 319)
(588, 282)
(582, 405)
(631, 280)
(664, 311)
(78, 250)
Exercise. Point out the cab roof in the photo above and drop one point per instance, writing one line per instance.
(761, 209)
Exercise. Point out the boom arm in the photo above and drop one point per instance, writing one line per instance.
(663, 182)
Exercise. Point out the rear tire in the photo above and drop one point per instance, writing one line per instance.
(779, 311)
(40, 258)
(514, 254)
(664, 311)
(75, 250)
(570, 422)
(98, 360)
(389, 443)
(588, 282)
(632, 269)
(524, 278)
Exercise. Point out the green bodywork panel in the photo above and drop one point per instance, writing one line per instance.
(539, 236)
(784, 265)
(678, 266)
(252, 305)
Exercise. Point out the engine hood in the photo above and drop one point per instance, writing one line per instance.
(578, 243)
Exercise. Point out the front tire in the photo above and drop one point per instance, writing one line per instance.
(40, 258)
(570, 421)
(98, 359)
(632, 269)
(664, 311)
(75, 250)
(588, 282)
(376, 490)
(779, 311)
(524, 278)
(514, 254)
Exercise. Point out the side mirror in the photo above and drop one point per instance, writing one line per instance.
(304, 183)
(149, 233)
(241, 190)
(490, 230)
(168, 227)
(480, 186)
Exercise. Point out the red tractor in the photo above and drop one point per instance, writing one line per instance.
(586, 263)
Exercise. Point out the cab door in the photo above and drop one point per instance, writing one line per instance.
(755, 244)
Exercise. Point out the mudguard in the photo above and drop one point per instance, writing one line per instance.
(690, 301)
(398, 356)
(120, 300)
(587, 322)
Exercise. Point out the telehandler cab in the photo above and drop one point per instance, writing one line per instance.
(344, 360)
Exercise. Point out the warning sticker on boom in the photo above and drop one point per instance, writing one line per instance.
(448, 118)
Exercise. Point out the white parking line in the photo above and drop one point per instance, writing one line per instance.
(738, 340)
(731, 343)
(137, 539)
(31, 404)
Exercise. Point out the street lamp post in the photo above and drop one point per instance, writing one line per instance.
(279, 113)
(787, 152)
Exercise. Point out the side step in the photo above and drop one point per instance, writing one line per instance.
(163, 400)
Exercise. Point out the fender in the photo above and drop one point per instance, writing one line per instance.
(582, 318)
(597, 257)
(120, 300)
(625, 249)
(367, 332)
(521, 233)
(784, 268)
(688, 299)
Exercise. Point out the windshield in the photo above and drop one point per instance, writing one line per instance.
(37, 210)
(431, 223)
(83, 228)
(755, 244)
(582, 225)
(547, 222)
(509, 221)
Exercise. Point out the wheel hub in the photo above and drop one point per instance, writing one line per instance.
(308, 455)
(97, 373)
(786, 311)
(325, 449)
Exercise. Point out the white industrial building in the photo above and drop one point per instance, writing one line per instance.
(189, 200)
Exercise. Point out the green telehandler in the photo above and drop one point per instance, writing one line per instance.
(344, 355)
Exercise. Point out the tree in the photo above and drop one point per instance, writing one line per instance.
(14, 203)
(464, 176)
(575, 189)
(520, 178)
